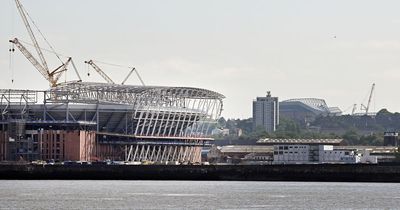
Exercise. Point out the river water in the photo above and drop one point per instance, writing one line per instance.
(18, 194)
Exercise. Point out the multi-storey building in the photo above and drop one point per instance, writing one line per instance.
(289, 154)
(266, 113)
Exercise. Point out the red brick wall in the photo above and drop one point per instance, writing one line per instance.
(74, 145)
(52, 144)
(87, 145)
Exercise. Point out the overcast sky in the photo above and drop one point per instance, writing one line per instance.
(332, 50)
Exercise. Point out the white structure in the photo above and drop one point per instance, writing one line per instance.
(223, 132)
(266, 112)
(291, 154)
(328, 155)
(301, 154)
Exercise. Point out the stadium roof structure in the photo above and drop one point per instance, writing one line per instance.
(269, 141)
(246, 149)
(315, 105)
(87, 92)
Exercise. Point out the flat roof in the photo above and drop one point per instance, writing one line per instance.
(246, 149)
(299, 141)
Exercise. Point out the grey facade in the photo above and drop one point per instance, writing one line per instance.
(266, 113)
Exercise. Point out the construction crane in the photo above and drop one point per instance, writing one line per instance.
(101, 72)
(137, 74)
(366, 108)
(51, 76)
(107, 78)
(354, 109)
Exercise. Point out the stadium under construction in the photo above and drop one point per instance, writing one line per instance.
(96, 121)
(90, 121)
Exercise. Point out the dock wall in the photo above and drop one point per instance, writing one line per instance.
(323, 172)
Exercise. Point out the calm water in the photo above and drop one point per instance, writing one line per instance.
(196, 195)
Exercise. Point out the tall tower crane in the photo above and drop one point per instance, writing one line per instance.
(51, 76)
(366, 108)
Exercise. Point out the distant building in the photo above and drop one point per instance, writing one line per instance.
(325, 151)
(269, 141)
(266, 112)
(240, 154)
(305, 110)
(391, 139)
(239, 132)
(301, 154)
(223, 132)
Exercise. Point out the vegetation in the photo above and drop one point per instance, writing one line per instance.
(355, 130)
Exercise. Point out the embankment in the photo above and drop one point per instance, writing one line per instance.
(323, 172)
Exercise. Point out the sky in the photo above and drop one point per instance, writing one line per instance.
(332, 50)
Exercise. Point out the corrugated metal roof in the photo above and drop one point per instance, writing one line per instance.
(246, 149)
(373, 149)
(299, 141)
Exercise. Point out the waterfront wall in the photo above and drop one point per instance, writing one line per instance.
(323, 172)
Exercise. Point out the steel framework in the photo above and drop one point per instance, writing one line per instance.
(158, 124)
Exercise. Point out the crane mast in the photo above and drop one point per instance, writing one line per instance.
(370, 98)
(31, 58)
(366, 108)
(137, 74)
(42, 67)
(31, 34)
(354, 109)
(101, 72)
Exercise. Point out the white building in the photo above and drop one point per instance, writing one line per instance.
(301, 154)
(291, 154)
(266, 112)
(223, 132)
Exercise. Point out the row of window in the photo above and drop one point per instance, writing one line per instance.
(291, 147)
(286, 152)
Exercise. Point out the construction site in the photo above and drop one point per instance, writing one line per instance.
(97, 121)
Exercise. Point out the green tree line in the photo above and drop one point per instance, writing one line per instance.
(352, 129)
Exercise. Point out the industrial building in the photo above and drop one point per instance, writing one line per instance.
(325, 151)
(272, 141)
(240, 154)
(266, 113)
(305, 110)
(303, 154)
